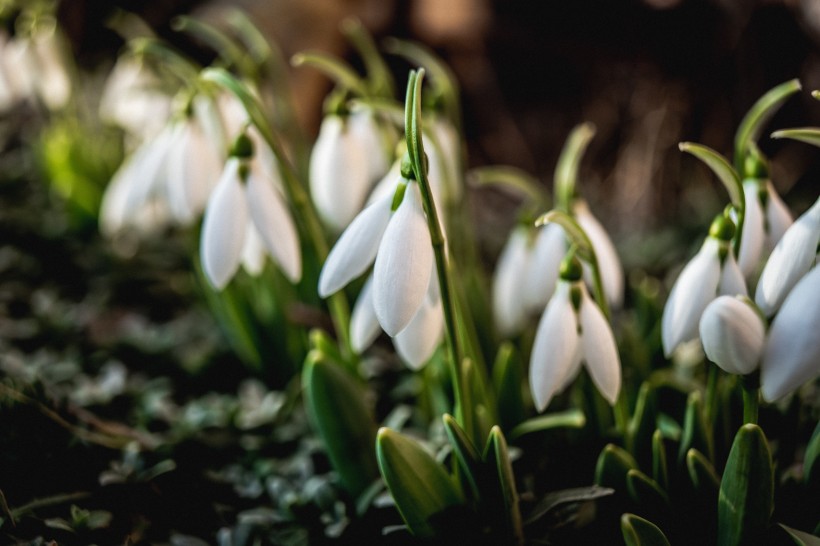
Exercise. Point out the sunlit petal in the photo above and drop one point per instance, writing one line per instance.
(732, 334)
(609, 264)
(599, 349)
(418, 341)
(253, 251)
(364, 326)
(224, 227)
(549, 249)
(510, 300)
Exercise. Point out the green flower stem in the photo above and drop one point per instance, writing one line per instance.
(378, 74)
(337, 303)
(415, 149)
(171, 61)
(713, 374)
(566, 170)
(620, 412)
(750, 384)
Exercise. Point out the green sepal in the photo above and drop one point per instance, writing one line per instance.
(695, 432)
(644, 490)
(702, 474)
(801, 538)
(759, 115)
(640, 532)
(497, 456)
(746, 491)
(507, 378)
(465, 451)
(721, 167)
(809, 135)
(660, 468)
(811, 461)
(612, 466)
(566, 169)
(421, 487)
(643, 424)
(336, 404)
(569, 419)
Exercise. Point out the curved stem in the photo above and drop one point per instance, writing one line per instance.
(751, 394)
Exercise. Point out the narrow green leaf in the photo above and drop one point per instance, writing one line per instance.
(642, 425)
(378, 74)
(695, 432)
(572, 419)
(746, 491)
(811, 461)
(612, 466)
(336, 69)
(660, 468)
(640, 532)
(644, 490)
(701, 472)
(421, 487)
(759, 115)
(555, 499)
(217, 40)
(809, 135)
(508, 376)
(465, 451)
(336, 403)
(801, 538)
(721, 167)
(566, 170)
(498, 456)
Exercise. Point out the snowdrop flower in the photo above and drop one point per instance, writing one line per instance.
(444, 160)
(339, 172)
(766, 220)
(52, 82)
(793, 256)
(733, 332)
(792, 353)
(608, 262)
(399, 242)
(712, 272)
(509, 291)
(376, 138)
(548, 251)
(244, 199)
(573, 330)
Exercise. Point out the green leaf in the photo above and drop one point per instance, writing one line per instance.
(572, 419)
(613, 464)
(554, 499)
(643, 423)
(336, 403)
(811, 461)
(475, 400)
(759, 115)
(498, 456)
(644, 490)
(722, 169)
(566, 170)
(703, 475)
(746, 491)
(465, 451)
(336, 69)
(421, 487)
(660, 468)
(801, 538)
(640, 532)
(809, 135)
(695, 432)
(508, 376)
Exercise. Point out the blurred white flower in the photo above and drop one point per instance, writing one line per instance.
(51, 78)
(793, 256)
(339, 173)
(548, 250)
(609, 264)
(242, 201)
(792, 353)
(376, 138)
(712, 272)
(764, 223)
(444, 161)
(733, 333)
(133, 99)
(573, 330)
(510, 289)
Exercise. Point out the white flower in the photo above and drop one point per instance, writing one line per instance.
(609, 264)
(132, 99)
(510, 289)
(704, 278)
(545, 262)
(764, 223)
(793, 256)
(339, 173)
(234, 203)
(792, 353)
(52, 81)
(733, 334)
(568, 335)
(443, 160)
(400, 244)
(375, 138)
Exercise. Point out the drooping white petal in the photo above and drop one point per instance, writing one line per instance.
(403, 264)
(151, 163)
(339, 179)
(791, 258)
(367, 130)
(599, 349)
(364, 326)
(387, 185)
(275, 225)
(778, 218)
(418, 341)
(253, 251)
(732, 334)
(555, 351)
(224, 228)
(609, 264)
(792, 353)
(356, 248)
(732, 282)
(132, 98)
(753, 237)
(112, 208)
(510, 299)
(695, 288)
(444, 161)
(540, 279)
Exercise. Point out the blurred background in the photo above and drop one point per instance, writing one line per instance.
(647, 73)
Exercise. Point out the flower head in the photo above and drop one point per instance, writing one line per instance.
(573, 330)
(733, 332)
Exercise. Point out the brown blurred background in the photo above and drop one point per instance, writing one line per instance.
(648, 73)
